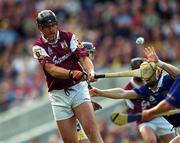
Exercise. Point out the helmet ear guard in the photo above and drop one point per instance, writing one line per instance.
(46, 18)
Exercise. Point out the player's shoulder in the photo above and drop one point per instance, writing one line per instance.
(38, 42)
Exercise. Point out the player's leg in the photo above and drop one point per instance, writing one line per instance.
(164, 129)
(63, 115)
(85, 114)
(82, 137)
(148, 134)
(167, 138)
(175, 140)
(67, 129)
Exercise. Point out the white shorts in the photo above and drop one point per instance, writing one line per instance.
(160, 125)
(63, 104)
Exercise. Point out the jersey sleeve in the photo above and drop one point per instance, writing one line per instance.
(77, 48)
(173, 97)
(141, 91)
(40, 54)
(167, 81)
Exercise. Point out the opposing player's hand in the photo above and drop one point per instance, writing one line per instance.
(95, 92)
(77, 76)
(151, 55)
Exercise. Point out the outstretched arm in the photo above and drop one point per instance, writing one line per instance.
(151, 113)
(152, 57)
(115, 93)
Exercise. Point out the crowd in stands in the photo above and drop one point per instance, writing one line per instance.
(112, 26)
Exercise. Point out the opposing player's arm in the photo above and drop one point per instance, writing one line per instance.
(115, 93)
(152, 57)
(172, 70)
(151, 113)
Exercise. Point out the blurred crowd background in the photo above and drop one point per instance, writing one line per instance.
(112, 26)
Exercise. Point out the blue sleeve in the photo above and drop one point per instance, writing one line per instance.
(167, 81)
(141, 90)
(173, 97)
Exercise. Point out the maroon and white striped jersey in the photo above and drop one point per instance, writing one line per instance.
(65, 53)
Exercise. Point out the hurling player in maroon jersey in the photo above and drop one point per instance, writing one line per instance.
(66, 66)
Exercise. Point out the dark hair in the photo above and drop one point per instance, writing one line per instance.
(136, 62)
(46, 18)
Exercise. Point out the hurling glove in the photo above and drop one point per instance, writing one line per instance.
(77, 76)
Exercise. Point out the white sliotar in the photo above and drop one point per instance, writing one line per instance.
(140, 40)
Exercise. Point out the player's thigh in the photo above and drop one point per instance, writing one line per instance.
(167, 138)
(86, 116)
(148, 134)
(67, 129)
(175, 140)
(84, 141)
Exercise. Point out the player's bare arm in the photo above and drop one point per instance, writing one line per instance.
(152, 57)
(62, 73)
(87, 64)
(88, 67)
(151, 113)
(115, 93)
(172, 70)
(56, 71)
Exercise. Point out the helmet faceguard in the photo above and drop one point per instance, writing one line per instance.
(46, 18)
(90, 48)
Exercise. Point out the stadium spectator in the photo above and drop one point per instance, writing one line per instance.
(17, 24)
